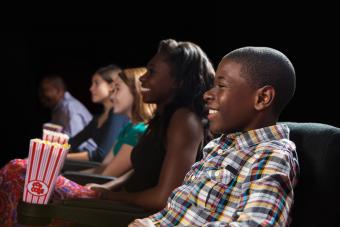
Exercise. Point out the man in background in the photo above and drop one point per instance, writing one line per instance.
(67, 111)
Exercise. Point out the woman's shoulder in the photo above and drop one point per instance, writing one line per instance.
(118, 117)
(132, 132)
(184, 113)
(139, 127)
(115, 121)
(185, 120)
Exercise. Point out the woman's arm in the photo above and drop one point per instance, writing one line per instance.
(184, 136)
(81, 156)
(98, 170)
(121, 163)
(84, 156)
(108, 158)
(83, 135)
(111, 184)
(106, 136)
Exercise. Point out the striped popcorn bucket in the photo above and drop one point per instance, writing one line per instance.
(45, 160)
(55, 137)
(53, 127)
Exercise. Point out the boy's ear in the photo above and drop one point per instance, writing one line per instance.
(264, 97)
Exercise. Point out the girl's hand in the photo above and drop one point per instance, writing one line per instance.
(96, 187)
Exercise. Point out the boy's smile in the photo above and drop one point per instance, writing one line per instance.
(231, 100)
(212, 114)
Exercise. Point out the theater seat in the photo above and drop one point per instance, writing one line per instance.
(80, 212)
(316, 196)
(85, 178)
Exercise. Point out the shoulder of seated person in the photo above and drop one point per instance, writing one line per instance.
(185, 116)
(183, 112)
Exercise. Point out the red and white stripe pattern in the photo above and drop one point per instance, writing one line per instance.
(44, 164)
(53, 127)
(55, 137)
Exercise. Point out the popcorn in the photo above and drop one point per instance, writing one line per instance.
(45, 161)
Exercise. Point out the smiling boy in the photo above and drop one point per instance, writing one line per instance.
(247, 176)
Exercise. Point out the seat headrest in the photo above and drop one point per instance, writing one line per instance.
(317, 194)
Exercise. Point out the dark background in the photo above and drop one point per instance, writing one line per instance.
(76, 48)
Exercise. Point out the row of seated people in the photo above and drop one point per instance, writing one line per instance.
(91, 138)
(246, 176)
(174, 135)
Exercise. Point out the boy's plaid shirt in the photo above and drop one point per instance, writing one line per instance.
(244, 179)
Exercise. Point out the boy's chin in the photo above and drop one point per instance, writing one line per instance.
(215, 130)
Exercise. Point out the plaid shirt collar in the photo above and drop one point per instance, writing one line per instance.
(244, 140)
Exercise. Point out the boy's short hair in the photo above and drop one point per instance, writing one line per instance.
(266, 66)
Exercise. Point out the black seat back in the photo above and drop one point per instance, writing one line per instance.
(317, 196)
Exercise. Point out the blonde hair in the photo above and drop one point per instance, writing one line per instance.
(141, 112)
